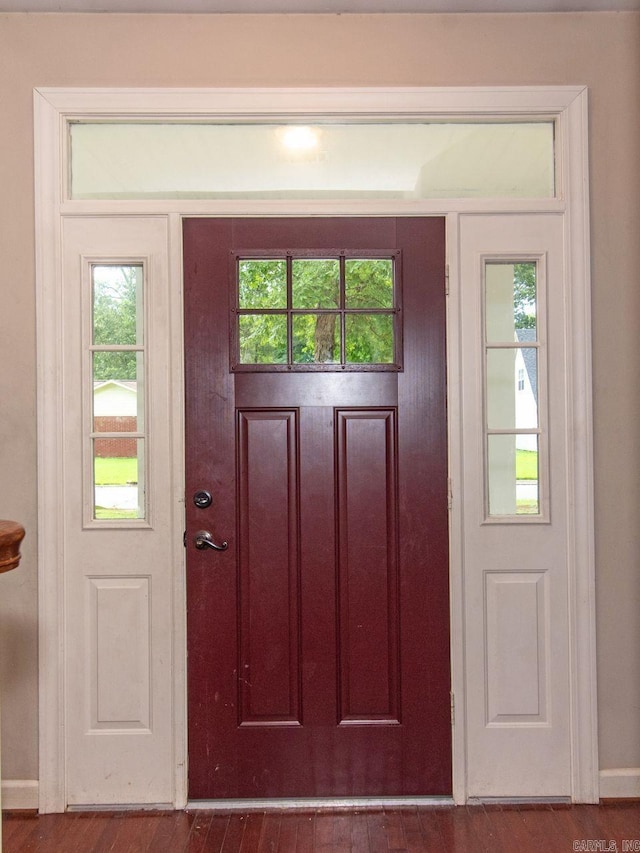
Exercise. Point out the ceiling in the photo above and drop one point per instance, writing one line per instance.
(306, 6)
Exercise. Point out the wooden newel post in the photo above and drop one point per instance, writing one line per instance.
(11, 535)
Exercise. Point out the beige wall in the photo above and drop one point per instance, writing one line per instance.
(601, 50)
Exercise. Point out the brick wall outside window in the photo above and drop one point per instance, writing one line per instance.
(109, 447)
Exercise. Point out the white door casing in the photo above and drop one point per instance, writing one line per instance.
(84, 569)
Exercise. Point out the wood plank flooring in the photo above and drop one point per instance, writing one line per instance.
(462, 829)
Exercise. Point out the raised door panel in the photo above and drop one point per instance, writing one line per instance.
(119, 653)
(367, 566)
(269, 568)
(517, 655)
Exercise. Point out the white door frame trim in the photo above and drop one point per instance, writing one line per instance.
(54, 107)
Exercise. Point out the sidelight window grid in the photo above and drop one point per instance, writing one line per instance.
(116, 435)
(515, 447)
(289, 315)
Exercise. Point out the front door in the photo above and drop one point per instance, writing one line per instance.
(318, 628)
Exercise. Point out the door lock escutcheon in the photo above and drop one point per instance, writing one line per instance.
(202, 499)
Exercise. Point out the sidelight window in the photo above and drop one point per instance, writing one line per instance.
(317, 313)
(117, 435)
(513, 387)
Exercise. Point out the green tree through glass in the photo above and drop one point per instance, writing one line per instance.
(316, 284)
(316, 306)
(524, 295)
(115, 305)
(369, 284)
(262, 284)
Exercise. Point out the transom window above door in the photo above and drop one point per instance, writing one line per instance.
(343, 159)
(299, 311)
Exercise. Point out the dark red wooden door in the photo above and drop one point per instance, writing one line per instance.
(318, 641)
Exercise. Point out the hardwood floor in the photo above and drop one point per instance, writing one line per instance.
(462, 829)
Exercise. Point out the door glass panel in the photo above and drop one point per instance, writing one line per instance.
(316, 283)
(263, 338)
(117, 431)
(510, 301)
(292, 313)
(369, 283)
(369, 338)
(316, 338)
(118, 401)
(512, 361)
(512, 392)
(513, 475)
(118, 473)
(262, 284)
(117, 299)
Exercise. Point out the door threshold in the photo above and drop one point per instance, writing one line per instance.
(519, 801)
(315, 803)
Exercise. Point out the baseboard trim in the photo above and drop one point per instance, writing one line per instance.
(617, 783)
(620, 783)
(20, 794)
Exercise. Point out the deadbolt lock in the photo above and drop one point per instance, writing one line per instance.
(202, 499)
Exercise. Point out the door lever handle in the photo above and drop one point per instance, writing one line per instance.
(204, 540)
